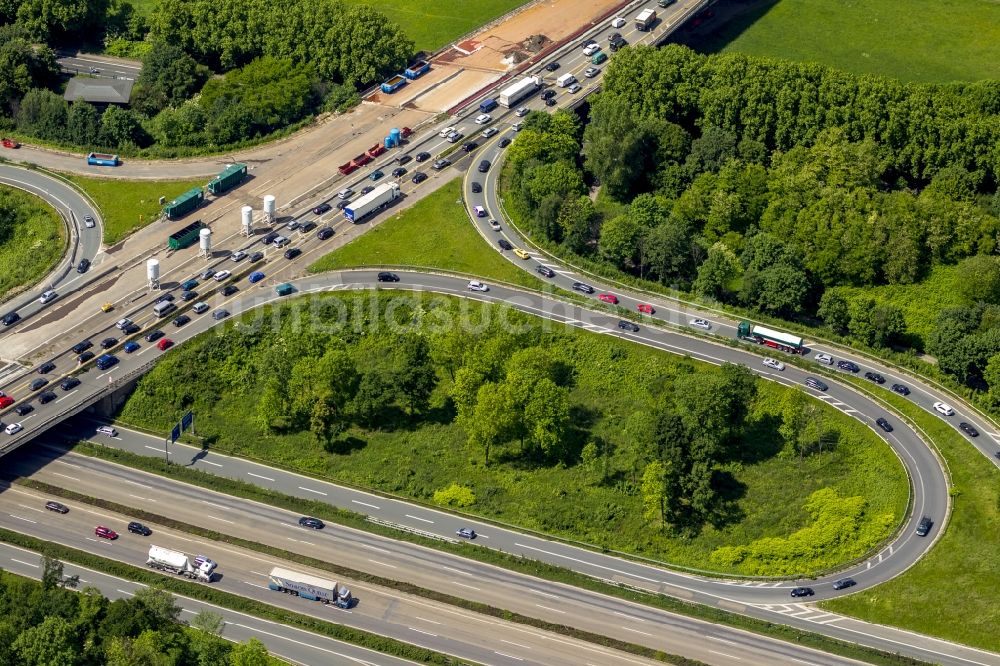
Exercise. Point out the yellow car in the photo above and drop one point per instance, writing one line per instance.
(107, 307)
(521, 253)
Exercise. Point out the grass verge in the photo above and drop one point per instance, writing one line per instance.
(434, 233)
(31, 243)
(507, 561)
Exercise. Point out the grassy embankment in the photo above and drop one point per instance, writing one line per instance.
(31, 243)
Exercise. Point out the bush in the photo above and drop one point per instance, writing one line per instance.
(455, 495)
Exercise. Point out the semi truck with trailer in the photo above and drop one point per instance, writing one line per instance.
(184, 204)
(645, 19)
(419, 68)
(380, 197)
(760, 335)
(176, 562)
(228, 179)
(102, 159)
(394, 84)
(184, 237)
(310, 587)
(518, 90)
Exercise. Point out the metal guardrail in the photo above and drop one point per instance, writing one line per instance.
(411, 530)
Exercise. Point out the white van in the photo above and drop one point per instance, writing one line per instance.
(565, 80)
(163, 308)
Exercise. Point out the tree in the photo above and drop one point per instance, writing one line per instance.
(653, 491)
(122, 128)
(325, 422)
(991, 375)
(52, 643)
(978, 279)
(54, 20)
(251, 653)
(719, 273)
(52, 572)
(206, 643)
(492, 422)
(23, 66)
(578, 224)
(620, 241)
(169, 76)
(82, 125)
(778, 289)
(43, 114)
(415, 376)
(834, 310)
(874, 323)
(546, 415)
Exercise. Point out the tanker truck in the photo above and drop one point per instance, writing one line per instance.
(175, 562)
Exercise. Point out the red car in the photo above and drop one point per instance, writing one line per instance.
(10, 143)
(105, 532)
(6, 401)
(165, 344)
(645, 308)
(608, 298)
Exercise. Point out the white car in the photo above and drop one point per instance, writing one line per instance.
(239, 255)
(618, 22)
(489, 131)
(122, 324)
(591, 49)
(483, 118)
(516, 127)
(200, 307)
(221, 275)
(521, 112)
(575, 88)
(446, 131)
(774, 363)
(344, 193)
(88, 222)
(48, 296)
(944, 408)
(476, 285)
(108, 430)
(703, 324)
(494, 225)
(591, 72)
(13, 428)
(824, 358)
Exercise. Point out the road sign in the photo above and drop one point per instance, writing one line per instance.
(175, 434)
(186, 420)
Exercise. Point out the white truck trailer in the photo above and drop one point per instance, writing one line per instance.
(176, 562)
(310, 587)
(518, 90)
(381, 196)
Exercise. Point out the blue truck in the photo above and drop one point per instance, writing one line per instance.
(102, 159)
(417, 69)
(394, 84)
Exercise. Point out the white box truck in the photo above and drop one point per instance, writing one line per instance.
(176, 562)
(518, 90)
(310, 587)
(565, 80)
(381, 196)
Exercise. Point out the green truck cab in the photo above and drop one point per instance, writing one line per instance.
(598, 58)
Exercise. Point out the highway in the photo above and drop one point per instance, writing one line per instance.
(100, 66)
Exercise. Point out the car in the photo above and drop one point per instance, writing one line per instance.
(13, 428)
(504, 142)
(618, 22)
(591, 49)
(814, 383)
(46, 367)
(188, 295)
(181, 320)
(107, 430)
(375, 175)
(153, 336)
(423, 157)
(575, 88)
(545, 271)
(608, 298)
(844, 583)
(255, 277)
(483, 118)
(476, 285)
(504, 244)
(69, 383)
(57, 507)
(6, 401)
(139, 528)
(164, 344)
(550, 102)
(345, 193)
(521, 254)
(48, 296)
(292, 252)
(802, 592)
(105, 361)
(466, 533)
(445, 132)
(825, 359)
(256, 256)
(366, 189)
(165, 298)
(479, 211)
(551, 67)
(341, 205)
(83, 266)
(968, 429)
(703, 324)
(587, 42)
(403, 159)
(489, 131)
(848, 366)
(494, 225)
(774, 363)
(548, 94)
(37, 384)
(11, 318)
(107, 307)
(944, 408)
(455, 137)
(122, 323)
(220, 314)
(105, 532)
(131, 346)
(591, 72)
(476, 187)
(628, 326)
(440, 164)
(399, 172)
(901, 389)
(281, 242)
(386, 276)
(189, 285)
(484, 166)
(221, 275)
(229, 290)
(108, 343)
(131, 329)
(200, 307)
(81, 347)
(306, 227)
(419, 177)
(207, 273)
(884, 424)
(311, 523)
(521, 112)
(46, 397)
(614, 37)
(924, 526)
(84, 357)
(583, 288)
(875, 377)
(24, 408)
(88, 221)
(517, 127)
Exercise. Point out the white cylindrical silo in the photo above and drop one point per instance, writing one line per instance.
(270, 209)
(246, 217)
(153, 273)
(205, 242)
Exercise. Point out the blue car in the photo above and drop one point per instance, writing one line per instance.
(130, 346)
(256, 276)
(105, 361)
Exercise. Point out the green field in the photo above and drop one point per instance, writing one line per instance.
(918, 40)
(31, 243)
(434, 233)
(128, 205)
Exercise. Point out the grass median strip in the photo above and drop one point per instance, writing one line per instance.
(519, 564)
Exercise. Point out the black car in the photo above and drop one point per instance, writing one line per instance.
(153, 336)
(968, 429)
(882, 423)
(165, 298)
(24, 408)
(587, 42)
(83, 266)
(38, 383)
(476, 188)
(628, 326)
(312, 523)
(306, 227)
(469, 146)
(812, 382)
(398, 172)
(422, 157)
(386, 276)
(57, 507)
(139, 528)
(548, 94)
(68, 383)
(366, 189)
(484, 166)
(292, 252)
(615, 36)
(84, 357)
(188, 295)
(46, 368)
(584, 288)
(550, 102)
(551, 67)
(900, 389)
(129, 329)
(46, 397)
(11, 318)
(403, 159)
(230, 289)
(875, 377)
(343, 203)
(81, 347)
(802, 592)
(108, 343)
(504, 142)
(924, 526)
(847, 365)
(419, 177)
(180, 321)
(256, 256)
(844, 583)
(505, 244)
(268, 239)
(324, 233)
(545, 271)
(322, 208)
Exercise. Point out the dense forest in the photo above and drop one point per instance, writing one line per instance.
(214, 72)
(48, 623)
(776, 186)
